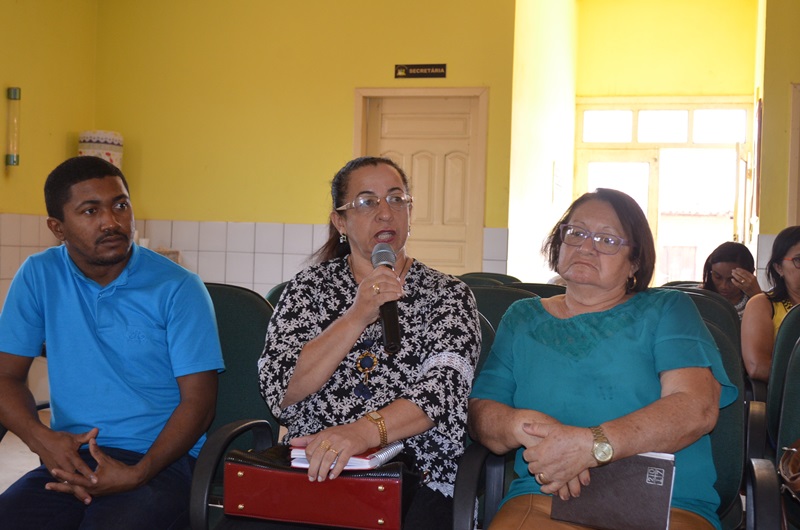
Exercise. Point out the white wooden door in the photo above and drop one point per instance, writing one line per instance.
(435, 139)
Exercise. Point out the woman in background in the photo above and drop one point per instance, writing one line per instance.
(728, 270)
(765, 312)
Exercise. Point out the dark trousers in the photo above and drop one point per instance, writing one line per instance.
(430, 510)
(161, 504)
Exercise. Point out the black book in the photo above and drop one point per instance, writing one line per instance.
(630, 494)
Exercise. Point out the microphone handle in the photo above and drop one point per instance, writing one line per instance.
(391, 327)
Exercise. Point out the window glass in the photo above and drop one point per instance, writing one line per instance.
(608, 126)
(632, 178)
(720, 126)
(665, 126)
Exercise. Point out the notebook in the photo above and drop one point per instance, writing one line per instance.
(369, 459)
(633, 493)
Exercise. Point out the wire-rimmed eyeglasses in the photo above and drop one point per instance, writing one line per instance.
(795, 261)
(369, 203)
(574, 236)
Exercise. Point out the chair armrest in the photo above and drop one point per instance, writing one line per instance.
(465, 491)
(763, 496)
(495, 486)
(209, 458)
(756, 425)
(755, 390)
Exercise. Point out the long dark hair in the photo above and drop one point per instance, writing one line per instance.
(786, 239)
(634, 223)
(728, 252)
(333, 248)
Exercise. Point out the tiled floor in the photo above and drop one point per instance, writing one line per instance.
(15, 457)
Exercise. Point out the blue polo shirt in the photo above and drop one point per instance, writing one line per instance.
(113, 352)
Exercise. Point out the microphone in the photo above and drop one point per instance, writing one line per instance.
(383, 254)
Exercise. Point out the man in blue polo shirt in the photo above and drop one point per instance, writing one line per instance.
(132, 353)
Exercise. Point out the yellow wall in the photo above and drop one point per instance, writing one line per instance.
(666, 47)
(781, 69)
(243, 111)
(49, 51)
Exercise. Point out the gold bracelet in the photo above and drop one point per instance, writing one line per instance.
(377, 419)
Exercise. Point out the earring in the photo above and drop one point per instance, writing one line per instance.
(342, 238)
(409, 231)
(631, 285)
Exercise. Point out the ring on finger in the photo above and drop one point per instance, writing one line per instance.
(540, 478)
(334, 451)
(376, 289)
(326, 445)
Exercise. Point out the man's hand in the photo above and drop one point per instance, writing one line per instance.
(111, 476)
(59, 453)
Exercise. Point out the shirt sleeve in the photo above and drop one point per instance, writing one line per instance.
(293, 325)
(496, 379)
(452, 344)
(192, 330)
(682, 340)
(22, 330)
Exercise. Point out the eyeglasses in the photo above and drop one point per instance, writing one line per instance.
(369, 203)
(574, 236)
(795, 260)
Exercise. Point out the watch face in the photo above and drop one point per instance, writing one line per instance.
(603, 452)
(375, 416)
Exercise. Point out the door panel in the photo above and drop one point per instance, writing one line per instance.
(433, 139)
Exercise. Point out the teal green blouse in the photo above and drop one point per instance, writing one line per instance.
(596, 367)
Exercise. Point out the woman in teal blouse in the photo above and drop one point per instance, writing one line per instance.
(608, 370)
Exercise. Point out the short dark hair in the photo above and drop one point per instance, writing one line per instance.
(634, 223)
(332, 247)
(786, 239)
(728, 252)
(58, 186)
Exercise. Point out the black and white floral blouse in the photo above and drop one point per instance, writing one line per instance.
(440, 344)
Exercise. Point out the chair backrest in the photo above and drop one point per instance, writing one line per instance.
(682, 283)
(715, 308)
(785, 341)
(728, 439)
(494, 301)
(479, 280)
(487, 339)
(242, 319)
(789, 424)
(274, 294)
(545, 290)
(501, 277)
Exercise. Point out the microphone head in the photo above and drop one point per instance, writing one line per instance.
(383, 254)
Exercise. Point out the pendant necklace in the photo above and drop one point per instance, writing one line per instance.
(366, 363)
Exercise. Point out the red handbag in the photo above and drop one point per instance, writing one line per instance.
(265, 486)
